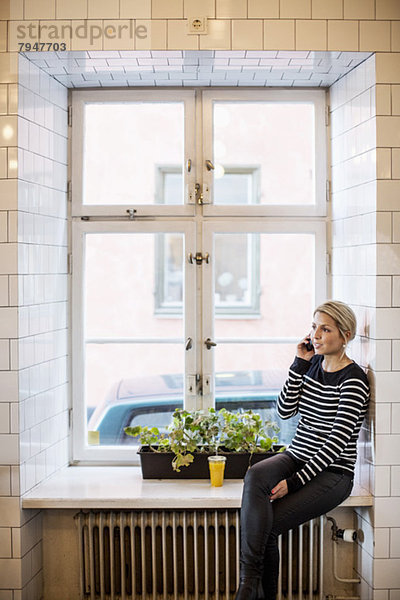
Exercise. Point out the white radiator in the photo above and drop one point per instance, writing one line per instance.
(185, 555)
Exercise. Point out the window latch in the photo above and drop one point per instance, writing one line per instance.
(209, 343)
(198, 257)
(131, 213)
(201, 194)
(198, 194)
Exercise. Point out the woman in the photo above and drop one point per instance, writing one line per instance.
(315, 473)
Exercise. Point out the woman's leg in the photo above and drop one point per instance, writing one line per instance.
(256, 517)
(323, 493)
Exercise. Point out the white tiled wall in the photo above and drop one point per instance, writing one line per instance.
(386, 516)
(33, 312)
(180, 68)
(10, 514)
(352, 105)
(42, 292)
(353, 174)
(365, 138)
(365, 208)
(42, 280)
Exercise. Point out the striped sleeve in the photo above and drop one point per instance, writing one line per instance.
(288, 399)
(354, 394)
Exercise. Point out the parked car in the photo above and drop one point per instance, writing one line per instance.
(152, 400)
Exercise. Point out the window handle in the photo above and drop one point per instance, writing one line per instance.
(209, 165)
(189, 344)
(209, 343)
(198, 258)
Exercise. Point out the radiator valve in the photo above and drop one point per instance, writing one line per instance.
(347, 535)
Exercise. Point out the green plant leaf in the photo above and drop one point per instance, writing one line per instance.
(133, 431)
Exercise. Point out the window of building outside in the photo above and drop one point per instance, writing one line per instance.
(198, 241)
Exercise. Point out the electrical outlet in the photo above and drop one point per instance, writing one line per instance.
(197, 25)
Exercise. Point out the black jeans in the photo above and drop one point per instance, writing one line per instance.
(262, 521)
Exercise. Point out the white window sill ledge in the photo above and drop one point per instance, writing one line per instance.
(123, 487)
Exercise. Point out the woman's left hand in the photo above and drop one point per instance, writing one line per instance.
(280, 490)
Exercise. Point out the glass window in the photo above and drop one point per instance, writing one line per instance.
(123, 145)
(237, 275)
(237, 184)
(128, 351)
(277, 138)
(154, 329)
(169, 282)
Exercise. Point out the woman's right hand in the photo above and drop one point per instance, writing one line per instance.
(302, 351)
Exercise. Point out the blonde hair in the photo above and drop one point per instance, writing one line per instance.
(343, 316)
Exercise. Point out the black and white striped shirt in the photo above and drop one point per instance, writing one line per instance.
(332, 408)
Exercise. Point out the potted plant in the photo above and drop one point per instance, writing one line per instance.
(192, 436)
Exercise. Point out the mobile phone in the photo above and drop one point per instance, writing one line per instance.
(309, 345)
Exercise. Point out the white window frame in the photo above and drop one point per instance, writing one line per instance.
(106, 454)
(198, 223)
(318, 98)
(108, 96)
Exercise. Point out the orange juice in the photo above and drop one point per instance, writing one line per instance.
(216, 465)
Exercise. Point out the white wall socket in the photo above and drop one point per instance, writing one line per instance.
(197, 25)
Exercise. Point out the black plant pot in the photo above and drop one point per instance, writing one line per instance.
(158, 465)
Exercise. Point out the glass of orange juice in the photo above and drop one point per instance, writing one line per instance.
(216, 465)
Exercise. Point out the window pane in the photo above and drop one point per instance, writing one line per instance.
(279, 278)
(126, 145)
(234, 390)
(124, 381)
(276, 138)
(263, 369)
(237, 274)
(169, 287)
(271, 360)
(134, 356)
(171, 185)
(236, 187)
(123, 278)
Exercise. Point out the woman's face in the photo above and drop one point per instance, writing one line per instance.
(325, 335)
